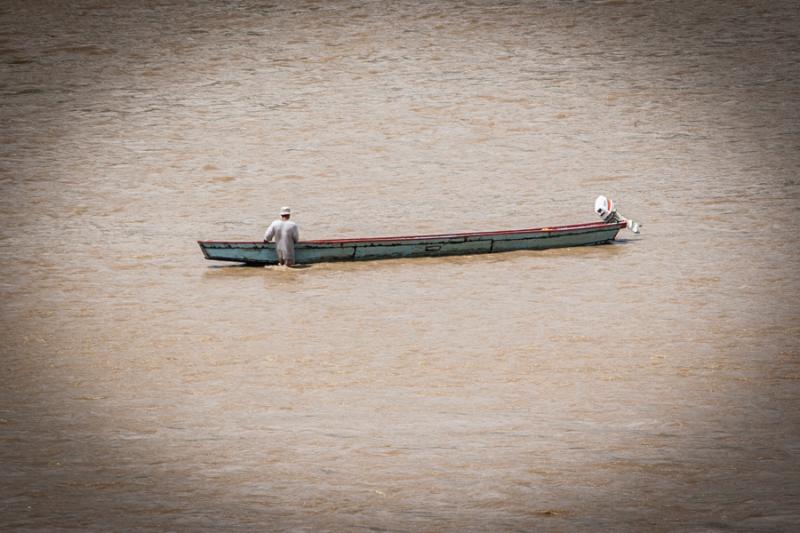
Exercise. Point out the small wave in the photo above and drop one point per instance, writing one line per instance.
(222, 179)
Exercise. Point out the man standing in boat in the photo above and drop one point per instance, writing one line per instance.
(285, 233)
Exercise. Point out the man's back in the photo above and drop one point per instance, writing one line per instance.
(285, 234)
(283, 231)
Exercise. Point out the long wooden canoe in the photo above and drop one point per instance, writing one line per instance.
(261, 253)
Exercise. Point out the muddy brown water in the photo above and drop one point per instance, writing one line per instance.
(648, 385)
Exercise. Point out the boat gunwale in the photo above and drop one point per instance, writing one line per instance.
(440, 236)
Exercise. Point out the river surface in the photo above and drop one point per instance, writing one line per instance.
(648, 385)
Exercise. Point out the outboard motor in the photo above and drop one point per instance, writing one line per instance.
(608, 212)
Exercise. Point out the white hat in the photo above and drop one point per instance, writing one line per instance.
(285, 211)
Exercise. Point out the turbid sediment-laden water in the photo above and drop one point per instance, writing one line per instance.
(648, 385)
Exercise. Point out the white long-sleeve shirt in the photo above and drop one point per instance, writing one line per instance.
(285, 233)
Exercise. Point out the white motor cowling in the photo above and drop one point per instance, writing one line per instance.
(606, 209)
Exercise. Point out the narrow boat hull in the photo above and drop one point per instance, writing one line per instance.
(362, 249)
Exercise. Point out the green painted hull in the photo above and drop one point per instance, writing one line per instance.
(260, 253)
